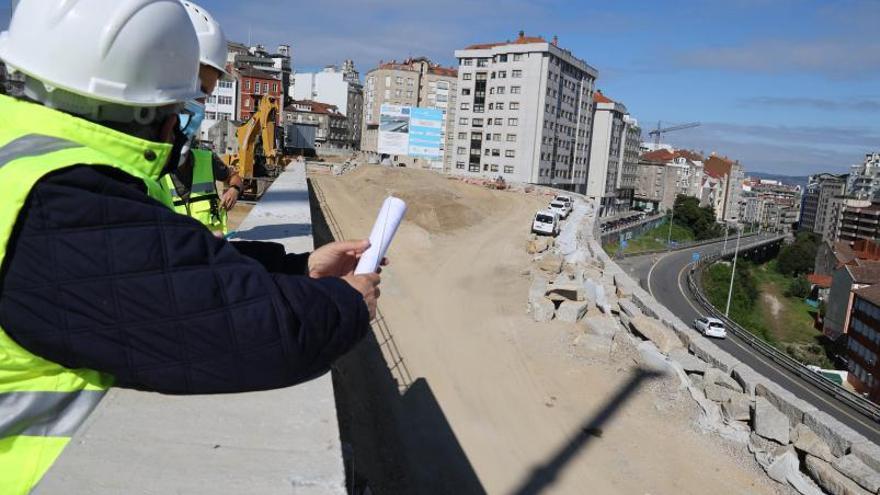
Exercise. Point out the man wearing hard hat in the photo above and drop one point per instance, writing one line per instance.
(101, 283)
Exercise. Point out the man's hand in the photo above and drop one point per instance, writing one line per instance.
(368, 286)
(337, 259)
(229, 198)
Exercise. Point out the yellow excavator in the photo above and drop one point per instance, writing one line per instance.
(257, 159)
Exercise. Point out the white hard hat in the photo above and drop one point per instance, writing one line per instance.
(212, 43)
(131, 52)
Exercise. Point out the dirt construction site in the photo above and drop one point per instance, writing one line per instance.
(458, 390)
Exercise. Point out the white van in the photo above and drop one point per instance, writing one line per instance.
(560, 207)
(562, 198)
(546, 223)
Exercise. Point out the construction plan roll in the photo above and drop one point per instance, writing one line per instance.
(390, 216)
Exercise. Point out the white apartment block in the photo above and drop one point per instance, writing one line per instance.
(221, 105)
(340, 88)
(614, 156)
(524, 113)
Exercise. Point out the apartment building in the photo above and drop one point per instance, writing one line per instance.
(253, 85)
(415, 82)
(338, 87)
(222, 105)
(863, 342)
(613, 159)
(332, 126)
(816, 208)
(731, 174)
(663, 175)
(277, 64)
(524, 112)
(864, 179)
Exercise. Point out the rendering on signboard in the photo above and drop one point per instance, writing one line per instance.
(411, 131)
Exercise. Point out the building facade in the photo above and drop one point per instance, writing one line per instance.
(253, 85)
(524, 112)
(415, 82)
(863, 342)
(816, 208)
(332, 126)
(338, 87)
(277, 64)
(613, 158)
(864, 179)
(222, 105)
(731, 174)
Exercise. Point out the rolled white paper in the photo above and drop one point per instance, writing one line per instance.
(390, 216)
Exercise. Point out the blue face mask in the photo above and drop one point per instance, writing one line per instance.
(192, 117)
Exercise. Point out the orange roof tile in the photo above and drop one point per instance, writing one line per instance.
(600, 98)
(661, 155)
(823, 281)
(522, 40)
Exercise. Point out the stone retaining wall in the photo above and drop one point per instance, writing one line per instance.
(795, 443)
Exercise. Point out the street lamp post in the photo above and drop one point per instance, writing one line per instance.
(732, 273)
(669, 236)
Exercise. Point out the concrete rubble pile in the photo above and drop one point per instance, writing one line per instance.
(574, 280)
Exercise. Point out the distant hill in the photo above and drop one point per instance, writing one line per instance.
(785, 179)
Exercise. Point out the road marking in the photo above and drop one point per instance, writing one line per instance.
(757, 355)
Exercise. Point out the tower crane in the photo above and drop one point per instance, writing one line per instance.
(660, 131)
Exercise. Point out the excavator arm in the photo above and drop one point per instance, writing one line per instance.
(260, 127)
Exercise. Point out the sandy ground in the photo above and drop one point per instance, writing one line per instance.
(521, 399)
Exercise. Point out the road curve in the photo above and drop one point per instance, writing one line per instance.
(666, 280)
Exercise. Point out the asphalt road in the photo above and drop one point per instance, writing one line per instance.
(666, 280)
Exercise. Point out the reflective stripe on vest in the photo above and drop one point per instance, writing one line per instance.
(202, 203)
(41, 402)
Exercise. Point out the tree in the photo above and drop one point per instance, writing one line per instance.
(799, 257)
(799, 288)
(699, 219)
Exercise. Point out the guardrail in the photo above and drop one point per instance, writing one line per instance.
(854, 401)
(685, 245)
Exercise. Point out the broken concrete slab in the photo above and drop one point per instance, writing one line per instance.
(785, 468)
(651, 359)
(747, 378)
(653, 330)
(572, 311)
(629, 308)
(543, 310)
(601, 325)
(853, 468)
(838, 436)
(784, 401)
(830, 479)
(568, 290)
(712, 354)
(868, 452)
(551, 263)
(688, 362)
(806, 440)
(717, 393)
(737, 408)
(720, 378)
(768, 422)
(537, 290)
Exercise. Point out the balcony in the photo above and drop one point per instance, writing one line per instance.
(277, 442)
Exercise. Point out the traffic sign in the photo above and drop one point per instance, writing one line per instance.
(695, 257)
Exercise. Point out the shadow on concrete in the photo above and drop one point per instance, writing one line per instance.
(273, 232)
(396, 438)
(544, 476)
(280, 195)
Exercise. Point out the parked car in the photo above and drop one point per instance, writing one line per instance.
(562, 198)
(561, 208)
(546, 223)
(710, 327)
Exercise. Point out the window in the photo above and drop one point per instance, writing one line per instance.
(387, 94)
(513, 122)
(508, 169)
(466, 76)
(474, 167)
(516, 73)
(247, 102)
(460, 151)
(514, 105)
(495, 152)
(477, 136)
(499, 106)
(515, 90)
(491, 106)
(462, 135)
(224, 100)
(463, 121)
(517, 57)
(499, 121)
(511, 138)
(467, 61)
(398, 80)
(256, 88)
(266, 88)
(274, 87)
(459, 165)
(502, 58)
(502, 74)
(409, 81)
(482, 62)
(465, 91)
(493, 168)
(387, 80)
(479, 108)
(481, 76)
(477, 122)
(211, 115)
(488, 137)
(510, 154)
(442, 85)
(409, 94)
(247, 85)
(500, 90)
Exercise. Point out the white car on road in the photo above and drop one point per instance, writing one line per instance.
(562, 198)
(710, 327)
(561, 208)
(546, 223)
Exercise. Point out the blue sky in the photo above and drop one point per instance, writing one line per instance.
(785, 86)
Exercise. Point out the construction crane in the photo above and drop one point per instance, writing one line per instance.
(660, 131)
(257, 158)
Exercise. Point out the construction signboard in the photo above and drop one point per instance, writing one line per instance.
(411, 131)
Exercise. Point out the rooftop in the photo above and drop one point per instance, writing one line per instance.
(522, 39)
(870, 294)
(847, 252)
(601, 98)
(312, 107)
(413, 64)
(823, 281)
(865, 272)
(719, 166)
(659, 156)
